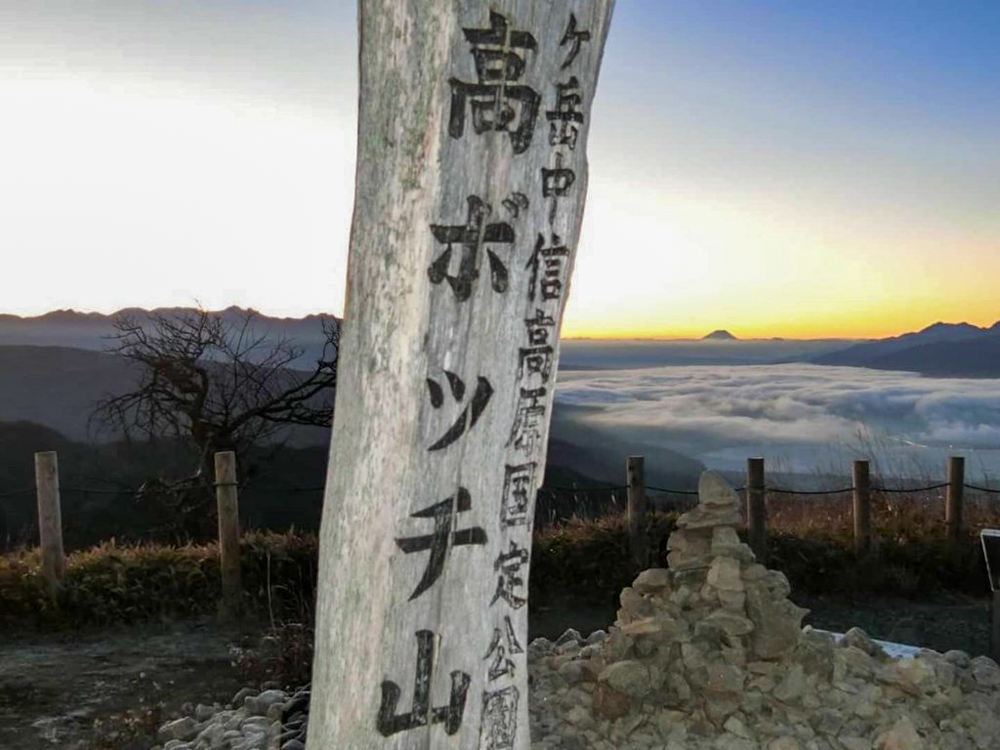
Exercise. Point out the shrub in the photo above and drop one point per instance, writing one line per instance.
(111, 584)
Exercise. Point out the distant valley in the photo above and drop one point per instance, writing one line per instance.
(53, 371)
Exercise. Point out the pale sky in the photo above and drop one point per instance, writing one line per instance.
(793, 168)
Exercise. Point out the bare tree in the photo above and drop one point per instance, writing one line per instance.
(218, 383)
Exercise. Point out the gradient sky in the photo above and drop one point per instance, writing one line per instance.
(799, 168)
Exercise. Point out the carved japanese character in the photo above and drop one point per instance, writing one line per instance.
(574, 38)
(518, 483)
(510, 580)
(535, 360)
(472, 236)
(547, 265)
(469, 416)
(497, 101)
(538, 327)
(422, 714)
(443, 537)
(529, 420)
(565, 119)
(515, 203)
(498, 730)
(557, 182)
(504, 642)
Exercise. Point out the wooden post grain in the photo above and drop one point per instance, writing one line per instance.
(953, 502)
(50, 530)
(757, 508)
(995, 626)
(471, 178)
(637, 537)
(862, 507)
(227, 498)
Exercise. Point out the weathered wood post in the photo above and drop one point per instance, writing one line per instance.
(995, 625)
(469, 196)
(50, 531)
(953, 502)
(862, 507)
(227, 499)
(637, 538)
(757, 508)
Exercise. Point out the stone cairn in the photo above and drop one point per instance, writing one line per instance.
(710, 653)
(707, 654)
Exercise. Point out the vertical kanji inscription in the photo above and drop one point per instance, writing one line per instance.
(475, 234)
(497, 100)
(422, 714)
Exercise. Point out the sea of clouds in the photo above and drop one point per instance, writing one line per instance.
(802, 418)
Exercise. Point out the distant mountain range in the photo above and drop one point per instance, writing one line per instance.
(95, 331)
(53, 370)
(940, 350)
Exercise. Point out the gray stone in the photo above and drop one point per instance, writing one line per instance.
(182, 729)
(570, 635)
(985, 672)
(724, 678)
(572, 672)
(258, 705)
(714, 490)
(241, 696)
(730, 622)
(958, 658)
(792, 685)
(725, 574)
(859, 639)
(628, 677)
(784, 743)
(652, 581)
(777, 624)
(902, 736)
(203, 712)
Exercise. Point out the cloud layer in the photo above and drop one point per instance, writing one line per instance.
(804, 417)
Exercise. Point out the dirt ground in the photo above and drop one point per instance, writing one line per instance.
(54, 687)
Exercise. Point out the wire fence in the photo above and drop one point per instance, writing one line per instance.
(554, 502)
(590, 489)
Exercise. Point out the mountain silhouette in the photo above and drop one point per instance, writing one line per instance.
(719, 335)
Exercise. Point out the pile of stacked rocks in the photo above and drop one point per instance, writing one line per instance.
(254, 720)
(710, 653)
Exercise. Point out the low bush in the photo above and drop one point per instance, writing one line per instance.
(586, 561)
(111, 584)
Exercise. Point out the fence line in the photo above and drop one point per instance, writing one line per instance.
(756, 514)
(545, 488)
(861, 490)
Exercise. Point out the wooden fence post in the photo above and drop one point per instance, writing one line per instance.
(757, 509)
(995, 625)
(227, 498)
(50, 530)
(469, 199)
(637, 537)
(953, 503)
(862, 507)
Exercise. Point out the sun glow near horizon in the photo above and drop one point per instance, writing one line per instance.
(804, 172)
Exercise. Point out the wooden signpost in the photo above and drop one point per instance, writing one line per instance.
(469, 197)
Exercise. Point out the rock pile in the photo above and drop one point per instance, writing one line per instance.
(709, 653)
(254, 720)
